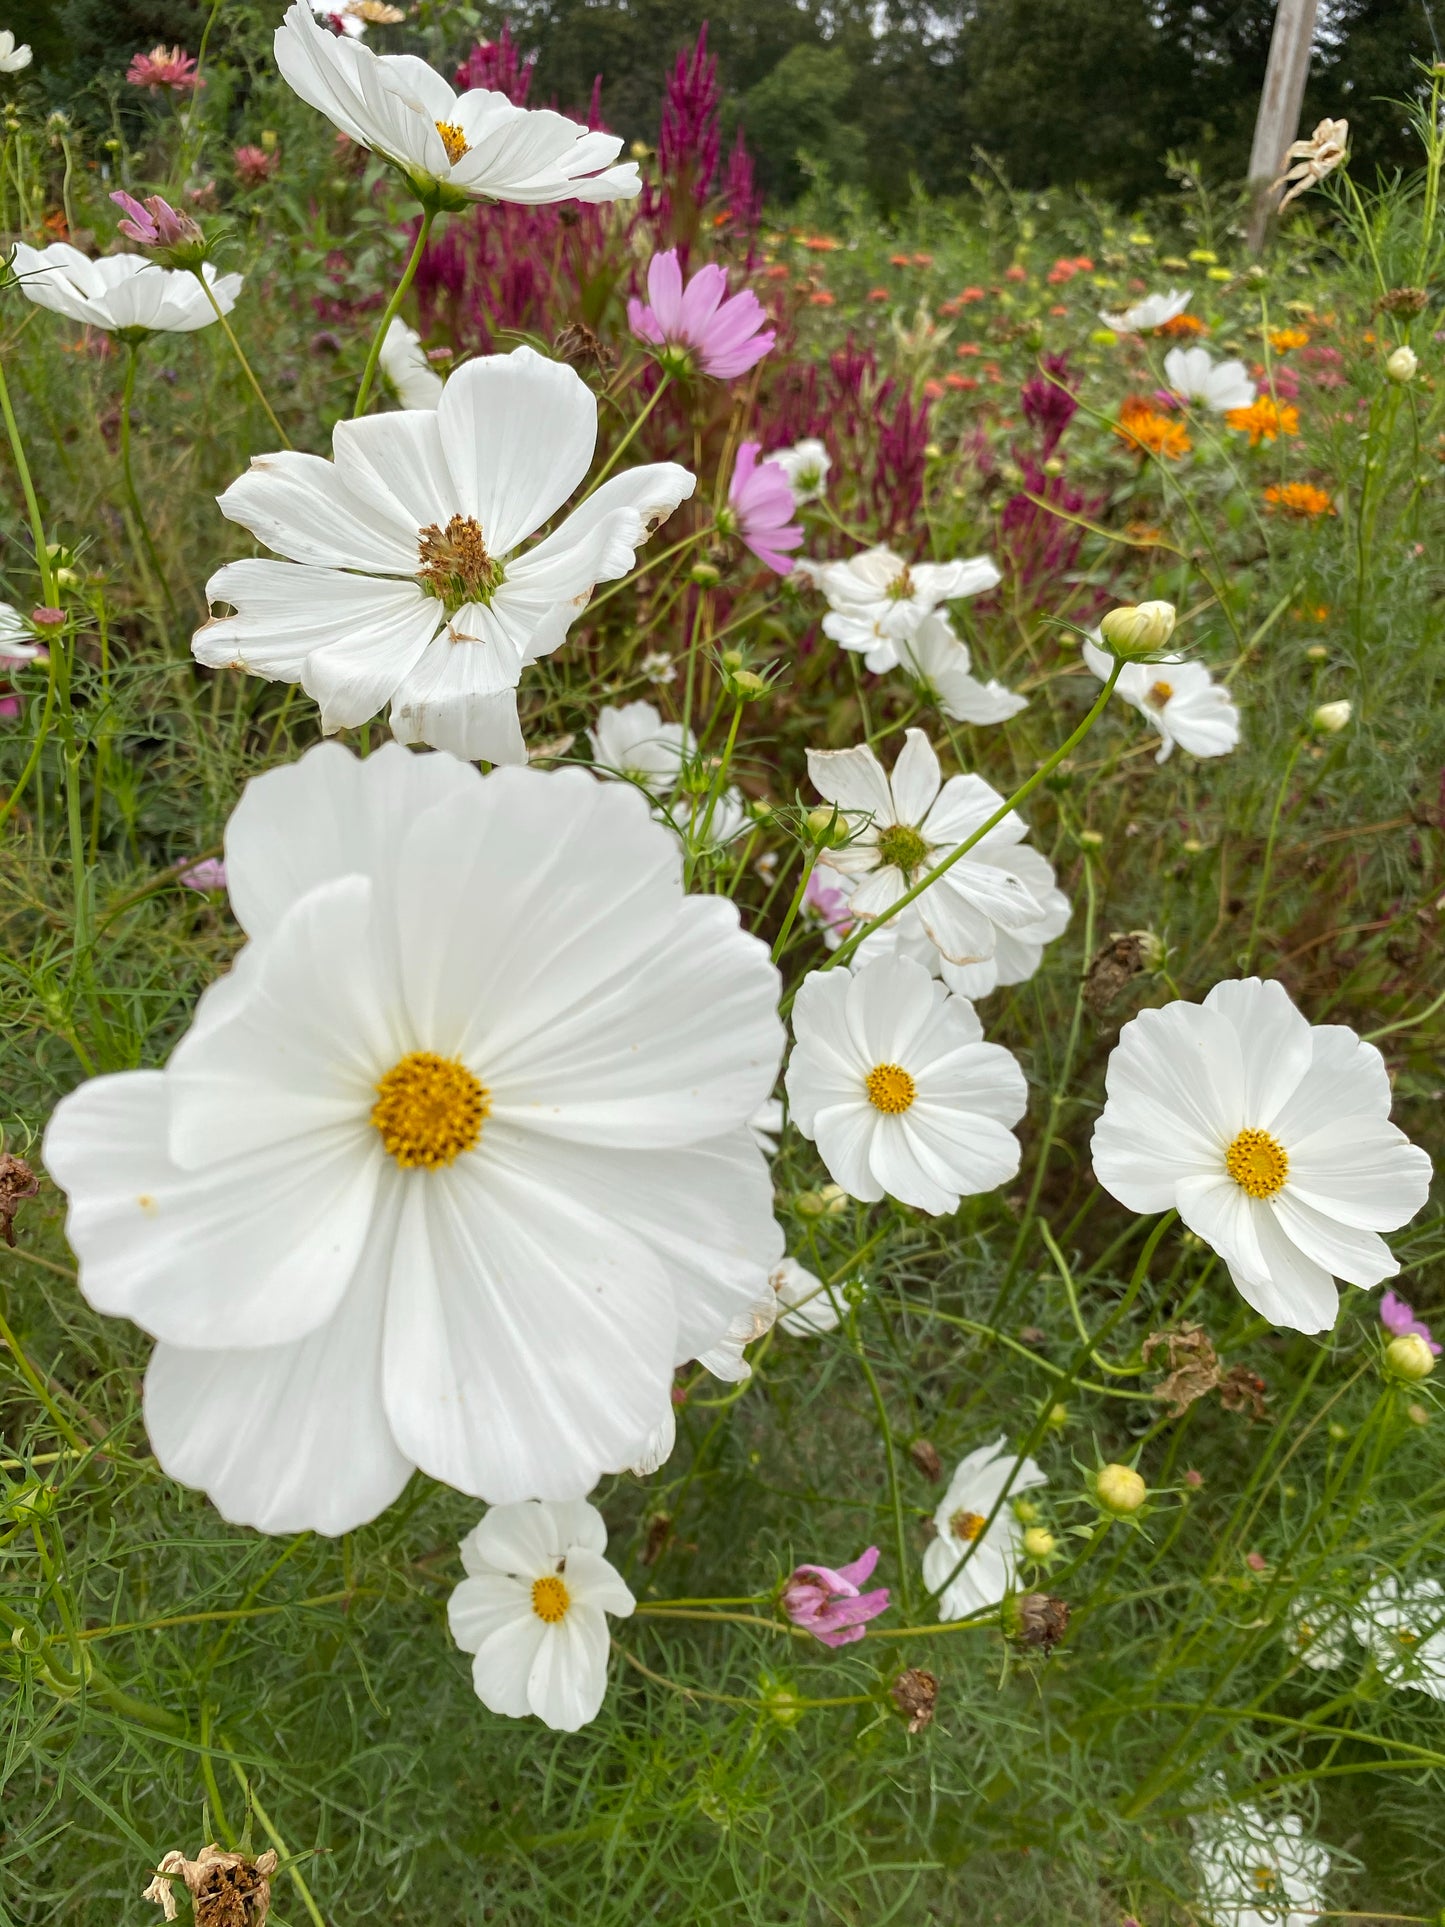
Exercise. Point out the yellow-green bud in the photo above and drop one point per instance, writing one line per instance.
(1120, 1490)
(1403, 365)
(732, 660)
(1136, 631)
(1331, 718)
(1409, 1356)
(827, 826)
(1039, 1542)
(827, 1203)
(1058, 1417)
(1317, 652)
(704, 575)
(747, 685)
(268, 140)
(1026, 1512)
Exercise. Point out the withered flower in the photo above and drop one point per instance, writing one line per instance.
(924, 1454)
(226, 1889)
(17, 1183)
(915, 1694)
(1193, 1365)
(1037, 1620)
(1241, 1390)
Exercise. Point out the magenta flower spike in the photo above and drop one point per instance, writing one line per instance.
(700, 324)
(1398, 1318)
(829, 1605)
(760, 497)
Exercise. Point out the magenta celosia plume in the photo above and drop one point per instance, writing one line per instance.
(723, 334)
(761, 499)
(829, 1605)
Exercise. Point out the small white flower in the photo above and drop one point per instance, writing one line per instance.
(812, 1306)
(970, 1564)
(1255, 1871)
(453, 1167)
(1152, 312)
(533, 1609)
(891, 1079)
(1317, 1633)
(710, 831)
(1180, 699)
(1194, 374)
(452, 147)
(1402, 365)
(635, 743)
(17, 639)
(405, 368)
(806, 466)
(13, 56)
(940, 664)
(125, 294)
(658, 667)
(1404, 1627)
(407, 580)
(876, 599)
(1321, 154)
(905, 826)
(1270, 1137)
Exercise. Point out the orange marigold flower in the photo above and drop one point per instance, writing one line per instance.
(1182, 324)
(1264, 420)
(1302, 500)
(1283, 339)
(819, 243)
(1148, 429)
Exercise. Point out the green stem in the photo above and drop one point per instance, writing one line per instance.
(132, 495)
(895, 1492)
(32, 504)
(368, 373)
(1268, 858)
(607, 467)
(239, 352)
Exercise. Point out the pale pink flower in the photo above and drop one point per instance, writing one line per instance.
(761, 505)
(1399, 1319)
(164, 70)
(208, 874)
(154, 223)
(254, 165)
(723, 335)
(826, 903)
(829, 1605)
(9, 708)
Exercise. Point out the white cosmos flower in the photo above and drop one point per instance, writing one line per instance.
(1270, 1137)
(891, 1079)
(812, 1306)
(125, 294)
(452, 147)
(1404, 1627)
(970, 1564)
(17, 639)
(1180, 699)
(729, 820)
(405, 369)
(877, 600)
(13, 57)
(1152, 312)
(533, 1609)
(635, 743)
(1317, 1632)
(1257, 1871)
(904, 826)
(1194, 374)
(806, 466)
(407, 580)
(453, 1167)
(1017, 954)
(940, 664)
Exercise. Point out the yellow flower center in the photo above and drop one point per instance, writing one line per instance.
(1258, 1163)
(1265, 1879)
(966, 1525)
(890, 1089)
(453, 563)
(550, 1599)
(1160, 692)
(901, 587)
(453, 140)
(902, 847)
(429, 1110)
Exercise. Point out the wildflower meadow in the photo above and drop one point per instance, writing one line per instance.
(723, 1022)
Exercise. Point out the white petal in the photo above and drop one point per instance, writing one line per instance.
(518, 431)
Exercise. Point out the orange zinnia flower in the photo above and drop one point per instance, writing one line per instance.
(1148, 429)
(1300, 499)
(1264, 420)
(1182, 324)
(1283, 339)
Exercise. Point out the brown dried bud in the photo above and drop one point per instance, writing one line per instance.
(915, 1694)
(226, 1889)
(924, 1454)
(1124, 957)
(1404, 301)
(1241, 1390)
(659, 1531)
(1193, 1365)
(580, 347)
(17, 1183)
(1037, 1619)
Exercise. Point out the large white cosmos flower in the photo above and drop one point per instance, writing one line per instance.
(1194, 374)
(1270, 1137)
(1403, 1625)
(1152, 312)
(452, 147)
(891, 1079)
(1255, 1871)
(904, 826)
(970, 1564)
(533, 1609)
(935, 659)
(453, 1168)
(877, 600)
(125, 294)
(1180, 699)
(407, 581)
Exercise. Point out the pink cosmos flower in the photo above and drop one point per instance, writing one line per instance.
(154, 223)
(208, 874)
(9, 708)
(760, 497)
(829, 1605)
(825, 903)
(725, 337)
(164, 70)
(1399, 1319)
(254, 165)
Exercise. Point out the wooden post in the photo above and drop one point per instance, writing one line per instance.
(1279, 107)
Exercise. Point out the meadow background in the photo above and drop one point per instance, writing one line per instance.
(935, 256)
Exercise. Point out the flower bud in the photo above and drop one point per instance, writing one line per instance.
(732, 660)
(1331, 718)
(827, 1203)
(1058, 1417)
(1403, 364)
(1409, 1357)
(1136, 631)
(1120, 1490)
(1026, 1512)
(747, 685)
(826, 826)
(704, 575)
(268, 140)
(1039, 1542)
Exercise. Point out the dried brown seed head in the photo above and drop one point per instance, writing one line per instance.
(915, 1694)
(17, 1183)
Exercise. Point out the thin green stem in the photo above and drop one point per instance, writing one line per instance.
(239, 352)
(368, 373)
